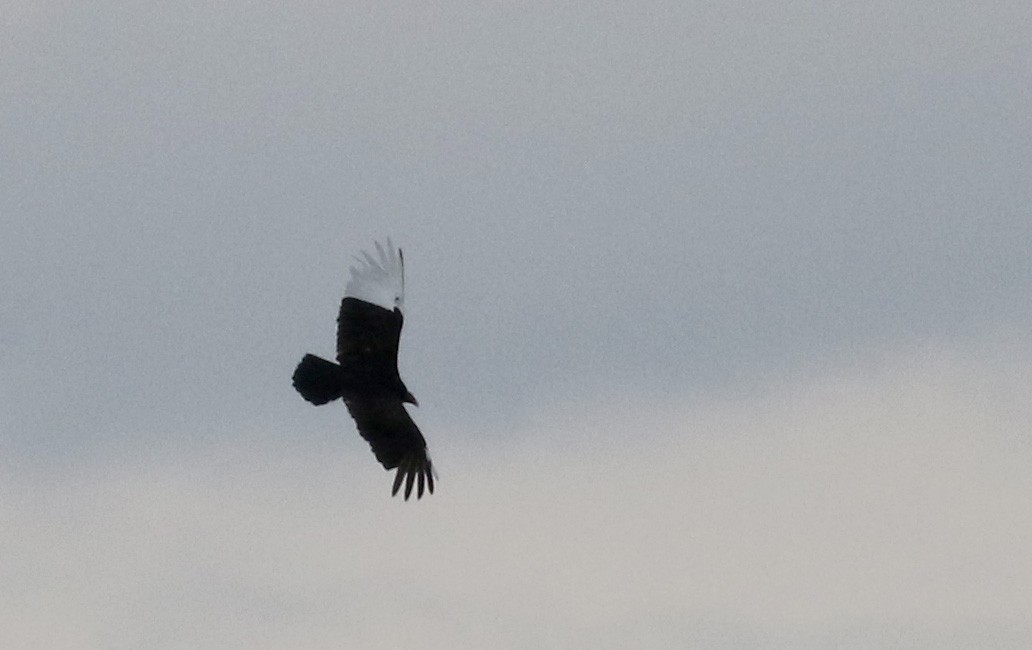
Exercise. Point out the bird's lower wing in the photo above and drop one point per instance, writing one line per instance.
(395, 440)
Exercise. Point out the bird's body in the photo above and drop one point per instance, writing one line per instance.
(366, 373)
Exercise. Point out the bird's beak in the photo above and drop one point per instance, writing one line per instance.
(411, 400)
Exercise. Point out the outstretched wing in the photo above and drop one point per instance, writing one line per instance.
(370, 318)
(396, 441)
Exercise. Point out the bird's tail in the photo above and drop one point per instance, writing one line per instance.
(317, 379)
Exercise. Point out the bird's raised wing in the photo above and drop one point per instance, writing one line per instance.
(396, 441)
(370, 318)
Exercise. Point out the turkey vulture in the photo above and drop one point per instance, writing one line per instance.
(366, 372)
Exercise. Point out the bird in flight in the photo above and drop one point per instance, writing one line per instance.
(366, 373)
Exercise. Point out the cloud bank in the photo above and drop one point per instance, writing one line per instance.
(874, 506)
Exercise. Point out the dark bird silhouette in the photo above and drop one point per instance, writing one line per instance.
(366, 372)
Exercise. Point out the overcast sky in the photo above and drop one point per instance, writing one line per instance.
(718, 314)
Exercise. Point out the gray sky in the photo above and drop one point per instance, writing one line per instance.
(718, 315)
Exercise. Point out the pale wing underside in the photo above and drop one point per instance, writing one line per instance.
(379, 280)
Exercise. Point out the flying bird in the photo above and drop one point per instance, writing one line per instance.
(366, 373)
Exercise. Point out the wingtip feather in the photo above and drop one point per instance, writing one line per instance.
(398, 476)
(409, 466)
